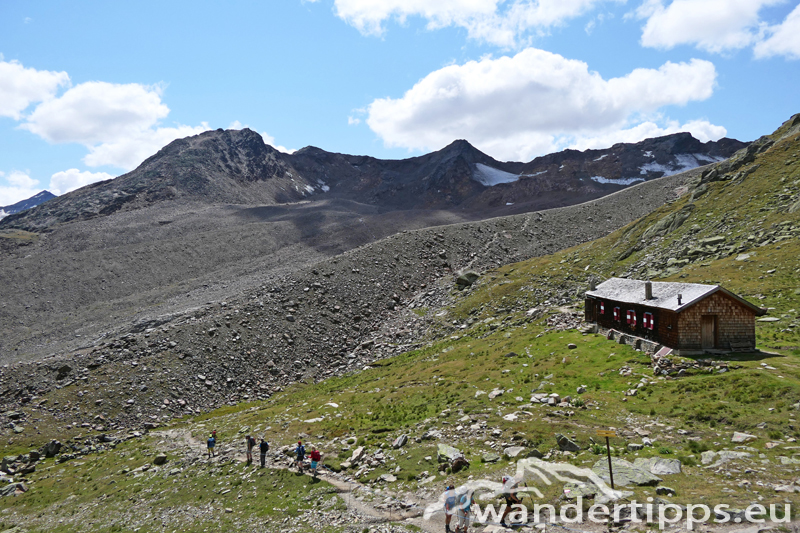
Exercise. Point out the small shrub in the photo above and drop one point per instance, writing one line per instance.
(697, 446)
(578, 402)
(664, 451)
(652, 411)
(775, 434)
(598, 449)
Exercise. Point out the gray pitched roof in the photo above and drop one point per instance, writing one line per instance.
(665, 294)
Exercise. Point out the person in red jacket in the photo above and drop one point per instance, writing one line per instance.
(316, 457)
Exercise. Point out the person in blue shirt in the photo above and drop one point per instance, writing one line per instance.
(301, 455)
(210, 445)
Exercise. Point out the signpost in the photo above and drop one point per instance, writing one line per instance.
(607, 433)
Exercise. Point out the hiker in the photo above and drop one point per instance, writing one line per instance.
(263, 448)
(210, 445)
(510, 494)
(316, 457)
(301, 454)
(449, 506)
(465, 502)
(250, 442)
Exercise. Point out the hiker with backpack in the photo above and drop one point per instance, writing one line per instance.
(449, 506)
(250, 442)
(510, 495)
(316, 457)
(263, 448)
(465, 502)
(301, 455)
(210, 444)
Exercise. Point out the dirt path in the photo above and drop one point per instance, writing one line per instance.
(181, 439)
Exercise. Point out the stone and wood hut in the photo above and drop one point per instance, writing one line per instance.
(687, 317)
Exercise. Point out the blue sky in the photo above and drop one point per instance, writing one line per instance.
(88, 90)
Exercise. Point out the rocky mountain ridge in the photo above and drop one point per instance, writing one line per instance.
(22, 205)
(237, 167)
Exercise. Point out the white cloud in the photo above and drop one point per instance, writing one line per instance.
(712, 25)
(20, 87)
(95, 112)
(270, 140)
(118, 123)
(784, 38)
(19, 186)
(532, 103)
(353, 121)
(494, 21)
(702, 130)
(69, 180)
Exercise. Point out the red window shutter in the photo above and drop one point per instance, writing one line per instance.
(616, 313)
(648, 321)
(602, 308)
(631, 318)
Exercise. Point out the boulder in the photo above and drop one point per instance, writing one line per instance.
(160, 459)
(467, 278)
(399, 442)
(513, 451)
(446, 453)
(495, 393)
(665, 491)
(490, 458)
(708, 457)
(566, 445)
(51, 449)
(742, 437)
(625, 473)
(388, 478)
(659, 466)
(358, 455)
(459, 464)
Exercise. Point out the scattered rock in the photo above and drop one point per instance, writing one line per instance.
(665, 491)
(742, 437)
(160, 459)
(625, 473)
(566, 445)
(399, 442)
(446, 453)
(513, 451)
(659, 466)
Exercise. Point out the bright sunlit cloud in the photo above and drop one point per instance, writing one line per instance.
(20, 87)
(493, 21)
(712, 25)
(526, 105)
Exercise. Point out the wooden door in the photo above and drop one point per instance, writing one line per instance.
(708, 331)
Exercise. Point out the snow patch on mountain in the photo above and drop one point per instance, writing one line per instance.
(3, 214)
(683, 162)
(488, 176)
(619, 181)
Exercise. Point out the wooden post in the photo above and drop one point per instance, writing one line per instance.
(607, 433)
(610, 471)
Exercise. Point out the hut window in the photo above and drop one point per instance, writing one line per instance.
(631, 318)
(602, 308)
(616, 314)
(647, 321)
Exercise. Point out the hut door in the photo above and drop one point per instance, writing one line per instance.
(707, 331)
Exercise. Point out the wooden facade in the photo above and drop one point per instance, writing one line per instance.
(713, 319)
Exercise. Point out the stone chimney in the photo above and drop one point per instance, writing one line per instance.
(592, 284)
(680, 296)
(648, 290)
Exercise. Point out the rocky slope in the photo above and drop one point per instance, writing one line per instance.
(329, 317)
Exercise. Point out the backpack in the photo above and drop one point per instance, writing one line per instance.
(264, 447)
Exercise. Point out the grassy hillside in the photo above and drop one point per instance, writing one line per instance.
(513, 331)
